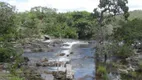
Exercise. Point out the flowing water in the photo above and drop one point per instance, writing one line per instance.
(82, 60)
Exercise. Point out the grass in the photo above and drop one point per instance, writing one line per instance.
(7, 76)
(103, 72)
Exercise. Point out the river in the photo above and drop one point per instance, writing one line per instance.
(82, 60)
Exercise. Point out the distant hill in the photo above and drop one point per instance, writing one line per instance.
(135, 14)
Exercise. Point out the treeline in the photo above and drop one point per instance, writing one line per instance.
(17, 26)
(42, 20)
(47, 21)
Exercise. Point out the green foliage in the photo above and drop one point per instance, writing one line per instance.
(28, 25)
(6, 52)
(140, 64)
(124, 52)
(120, 51)
(102, 70)
(111, 8)
(42, 20)
(15, 78)
(133, 75)
(70, 33)
(8, 35)
(7, 22)
(72, 25)
(135, 14)
(78, 24)
(16, 65)
(8, 32)
(129, 32)
(84, 24)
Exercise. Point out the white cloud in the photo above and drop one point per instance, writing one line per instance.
(66, 5)
(27, 5)
(61, 5)
(135, 4)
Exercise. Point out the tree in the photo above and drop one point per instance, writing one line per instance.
(106, 10)
(8, 32)
(84, 23)
(129, 32)
(36, 22)
(7, 22)
(42, 12)
(28, 25)
(111, 8)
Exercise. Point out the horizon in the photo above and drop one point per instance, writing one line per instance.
(68, 6)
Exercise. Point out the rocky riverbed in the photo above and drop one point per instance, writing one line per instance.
(54, 64)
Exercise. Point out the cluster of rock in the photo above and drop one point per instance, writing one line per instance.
(31, 73)
(40, 46)
(131, 70)
(64, 71)
(50, 64)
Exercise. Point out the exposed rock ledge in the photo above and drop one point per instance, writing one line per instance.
(40, 46)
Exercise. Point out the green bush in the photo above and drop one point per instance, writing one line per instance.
(123, 52)
(140, 64)
(103, 72)
(6, 53)
(16, 78)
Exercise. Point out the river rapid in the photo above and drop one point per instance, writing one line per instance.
(82, 60)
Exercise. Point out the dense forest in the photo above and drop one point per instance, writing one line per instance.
(17, 27)
(42, 20)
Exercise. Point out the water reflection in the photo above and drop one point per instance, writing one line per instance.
(83, 63)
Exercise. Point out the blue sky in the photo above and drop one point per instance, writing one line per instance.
(66, 5)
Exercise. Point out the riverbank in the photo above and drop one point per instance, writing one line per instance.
(121, 63)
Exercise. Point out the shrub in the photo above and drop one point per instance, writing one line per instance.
(15, 78)
(6, 53)
(103, 72)
(123, 52)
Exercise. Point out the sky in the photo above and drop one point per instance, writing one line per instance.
(66, 5)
